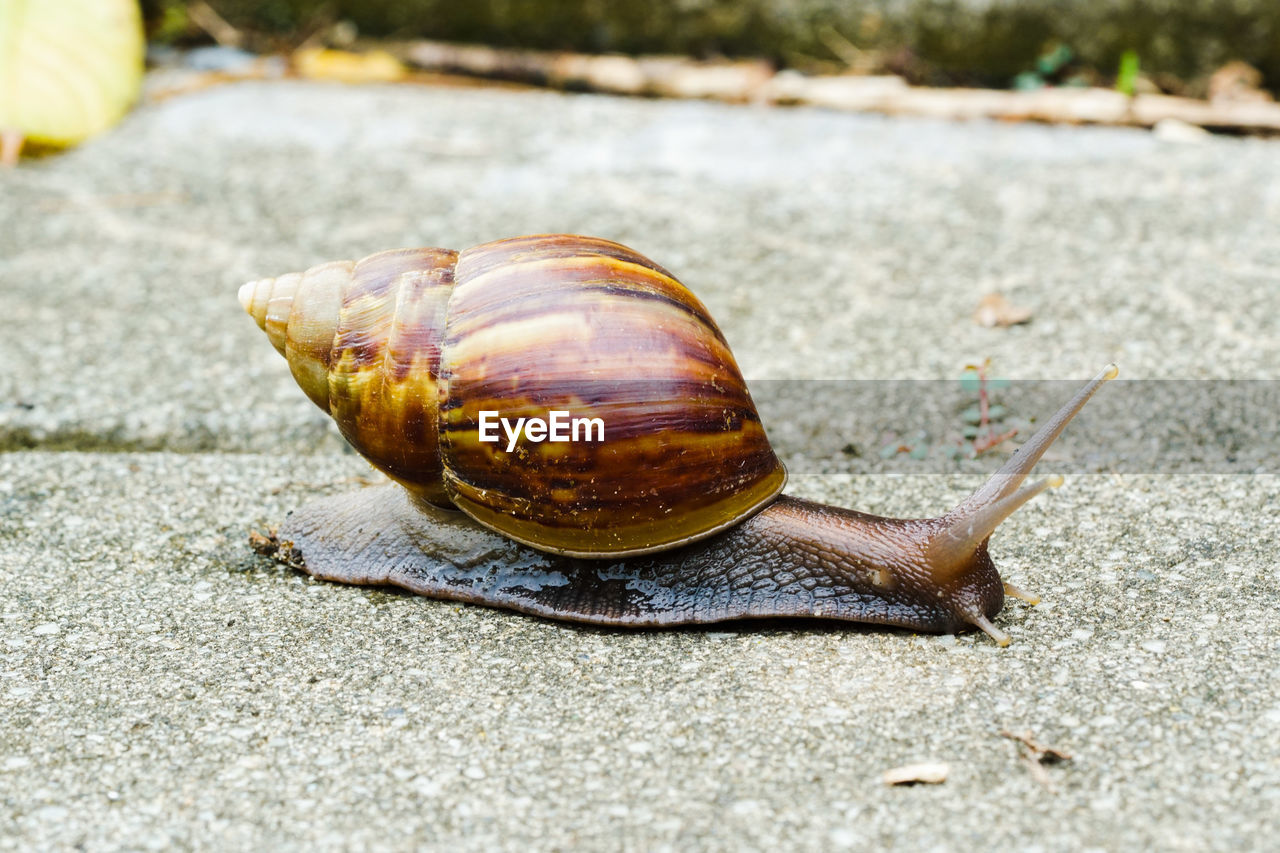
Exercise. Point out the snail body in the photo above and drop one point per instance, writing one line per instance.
(673, 517)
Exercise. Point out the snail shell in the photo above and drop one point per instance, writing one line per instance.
(406, 348)
(678, 509)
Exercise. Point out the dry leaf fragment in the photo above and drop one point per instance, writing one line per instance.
(995, 310)
(343, 66)
(1237, 82)
(264, 543)
(926, 772)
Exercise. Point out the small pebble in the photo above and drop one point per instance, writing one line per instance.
(1179, 131)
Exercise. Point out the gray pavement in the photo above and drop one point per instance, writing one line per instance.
(162, 685)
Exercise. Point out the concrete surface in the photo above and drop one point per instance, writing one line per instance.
(162, 685)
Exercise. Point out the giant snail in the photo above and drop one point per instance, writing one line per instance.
(676, 517)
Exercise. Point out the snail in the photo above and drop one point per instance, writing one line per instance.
(670, 512)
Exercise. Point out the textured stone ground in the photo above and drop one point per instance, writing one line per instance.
(163, 685)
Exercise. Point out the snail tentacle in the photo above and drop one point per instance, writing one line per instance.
(1006, 480)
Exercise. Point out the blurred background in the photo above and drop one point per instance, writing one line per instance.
(997, 43)
(70, 68)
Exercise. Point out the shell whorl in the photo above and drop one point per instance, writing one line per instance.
(301, 326)
(405, 349)
(587, 326)
(363, 341)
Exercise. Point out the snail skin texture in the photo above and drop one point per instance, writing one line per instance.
(675, 518)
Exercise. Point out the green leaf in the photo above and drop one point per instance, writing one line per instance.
(1127, 76)
(1028, 81)
(1053, 60)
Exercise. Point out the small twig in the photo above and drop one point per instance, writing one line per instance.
(1038, 773)
(835, 41)
(204, 17)
(983, 443)
(1036, 756)
(317, 28)
(11, 141)
(986, 437)
(984, 397)
(1044, 754)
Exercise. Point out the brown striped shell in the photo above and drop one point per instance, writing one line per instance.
(405, 349)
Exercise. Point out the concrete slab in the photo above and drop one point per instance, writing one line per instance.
(826, 245)
(165, 687)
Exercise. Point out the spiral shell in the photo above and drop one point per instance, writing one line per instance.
(405, 349)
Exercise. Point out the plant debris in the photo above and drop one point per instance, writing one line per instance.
(1036, 756)
(924, 773)
(981, 420)
(1241, 107)
(1045, 754)
(987, 425)
(344, 66)
(282, 551)
(204, 17)
(1237, 82)
(994, 310)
